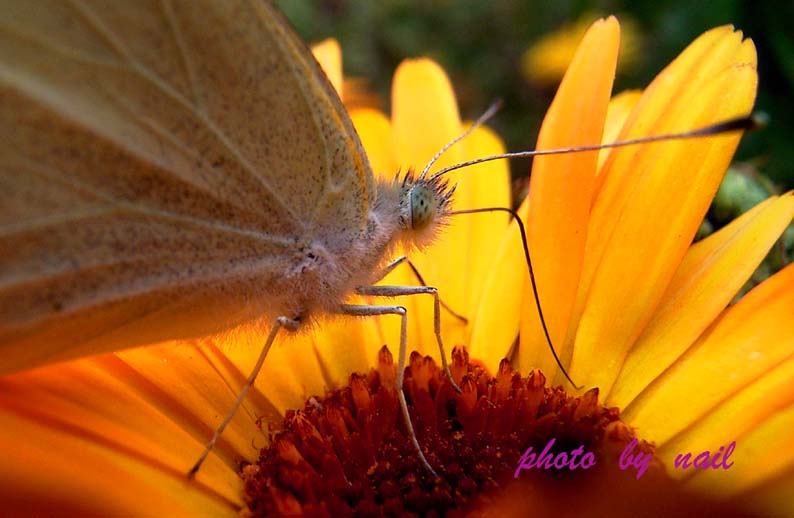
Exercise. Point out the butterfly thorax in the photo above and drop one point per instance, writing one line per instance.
(324, 271)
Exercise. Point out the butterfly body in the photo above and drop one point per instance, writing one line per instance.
(173, 170)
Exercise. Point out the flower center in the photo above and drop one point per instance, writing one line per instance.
(348, 454)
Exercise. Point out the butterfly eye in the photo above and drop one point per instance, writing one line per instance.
(424, 206)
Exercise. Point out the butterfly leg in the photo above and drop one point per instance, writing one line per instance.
(364, 311)
(398, 291)
(404, 259)
(280, 322)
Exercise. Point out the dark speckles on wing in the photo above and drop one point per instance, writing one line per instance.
(167, 149)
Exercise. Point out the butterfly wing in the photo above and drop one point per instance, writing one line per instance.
(158, 160)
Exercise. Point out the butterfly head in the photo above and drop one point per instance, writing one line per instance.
(424, 206)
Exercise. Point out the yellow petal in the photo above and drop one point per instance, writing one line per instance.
(293, 369)
(773, 496)
(547, 59)
(763, 459)
(374, 129)
(340, 346)
(561, 191)
(423, 103)
(182, 383)
(299, 364)
(329, 55)
(483, 185)
(748, 340)
(710, 275)
(73, 434)
(619, 109)
(654, 198)
(494, 328)
(758, 405)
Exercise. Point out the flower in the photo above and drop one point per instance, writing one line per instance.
(353, 91)
(546, 61)
(632, 306)
(114, 434)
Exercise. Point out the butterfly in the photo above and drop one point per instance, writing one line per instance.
(170, 170)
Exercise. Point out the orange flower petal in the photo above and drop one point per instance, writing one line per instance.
(183, 384)
(295, 367)
(749, 339)
(329, 55)
(561, 191)
(654, 198)
(496, 323)
(45, 471)
(80, 410)
(763, 457)
(758, 404)
(710, 275)
(482, 185)
(423, 101)
(619, 109)
(374, 129)
(773, 496)
(340, 346)
(423, 98)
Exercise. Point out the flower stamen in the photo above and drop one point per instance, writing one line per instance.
(350, 455)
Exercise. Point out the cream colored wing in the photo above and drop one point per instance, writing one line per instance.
(157, 160)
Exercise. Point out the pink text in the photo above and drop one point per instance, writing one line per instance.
(545, 460)
(705, 460)
(640, 461)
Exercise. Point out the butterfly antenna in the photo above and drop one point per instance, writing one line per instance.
(490, 112)
(531, 278)
(746, 123)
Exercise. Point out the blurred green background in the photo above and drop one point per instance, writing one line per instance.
(480, 44)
